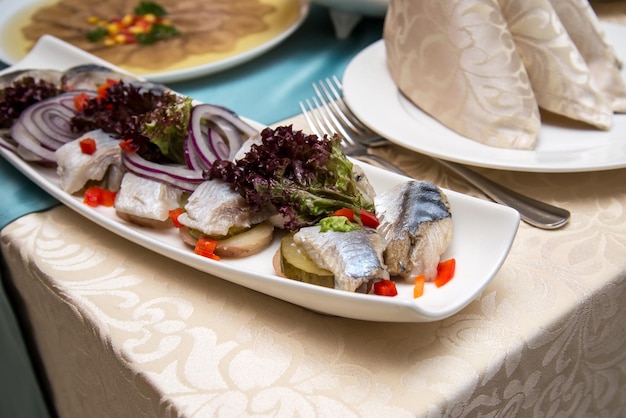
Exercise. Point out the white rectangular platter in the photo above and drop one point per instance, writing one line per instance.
(483, 235)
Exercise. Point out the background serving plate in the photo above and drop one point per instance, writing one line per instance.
(483, 235)
(288, 17)
(563, 146)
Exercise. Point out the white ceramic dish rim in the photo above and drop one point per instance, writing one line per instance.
(13, 7)
(375, 99)
(484, 234)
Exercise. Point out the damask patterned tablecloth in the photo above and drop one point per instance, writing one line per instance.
(124, 332)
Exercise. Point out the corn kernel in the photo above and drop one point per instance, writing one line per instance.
(109, 42)
(137, 29)
(127, 19)
(93, 20)
(149, 17)
(120, 39)
(113, 28)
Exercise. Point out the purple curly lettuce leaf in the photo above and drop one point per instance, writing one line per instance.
(303, 177)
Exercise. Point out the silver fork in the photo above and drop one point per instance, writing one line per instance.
(331, 114)
(320, 120)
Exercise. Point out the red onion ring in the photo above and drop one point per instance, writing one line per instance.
(177, 176)
(214, 133)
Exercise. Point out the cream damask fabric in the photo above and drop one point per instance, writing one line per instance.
(124, 332)
(582, 25)
(457, 61)
(558, 73)
(484, 67)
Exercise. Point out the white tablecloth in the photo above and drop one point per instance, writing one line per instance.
(124, 332)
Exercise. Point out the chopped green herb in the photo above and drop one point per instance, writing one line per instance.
(337, 224)
(148, 7)
(96, 34)
(158, 32)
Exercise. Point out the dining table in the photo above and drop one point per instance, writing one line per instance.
(94, 325)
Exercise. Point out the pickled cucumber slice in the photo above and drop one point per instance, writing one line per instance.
(297, 265)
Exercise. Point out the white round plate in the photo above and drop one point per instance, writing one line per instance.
(15, 12)
(562, 146)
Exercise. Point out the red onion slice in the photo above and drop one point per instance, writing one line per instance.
(44, 126)
(177, 176)
(215, 133)
(28, 147)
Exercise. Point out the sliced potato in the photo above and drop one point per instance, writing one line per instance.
(150, 223)
(246, 243)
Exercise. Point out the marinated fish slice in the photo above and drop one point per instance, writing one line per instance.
(363, 183)
(214, 208)
(76, 168)
(90, 77)
(354, 257)
(145, 199)
(416, 222)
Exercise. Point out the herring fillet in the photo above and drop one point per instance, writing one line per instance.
(146, 198)
(416, 222)
(354, 257)
(76, 168)
(215, 207)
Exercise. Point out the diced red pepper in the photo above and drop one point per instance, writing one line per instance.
(369, 219)
(445, 272)
(348, 213)
(103, 88)
(97, 196)
(206, 247)
(385, 288)
(80, 101)
(108, 198)
(127, 145)
(174, 214)
(92, 196)
(418, 288)
(87, 145)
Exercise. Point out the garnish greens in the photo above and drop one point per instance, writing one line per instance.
(304, 177)
(20, 95)
(152, 123)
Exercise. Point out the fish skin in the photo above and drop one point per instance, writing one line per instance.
(363, 183)
(146, 198)
(416, 222)
(355, 257)
(215, 207)
(75, 168)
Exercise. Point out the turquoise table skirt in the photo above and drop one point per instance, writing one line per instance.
(266, 89)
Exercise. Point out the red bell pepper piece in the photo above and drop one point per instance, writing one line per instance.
(206, 247)
(87, 145)
(348, 213)
(385, 288)
(92, 196)
(127, 145)
(80, 101)
(103, 88)
(108, 198)
(97, 196)
(369, 219)
(418, 288)
(445, 272)
(174, 214)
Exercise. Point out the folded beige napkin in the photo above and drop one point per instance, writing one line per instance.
(483, 68)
